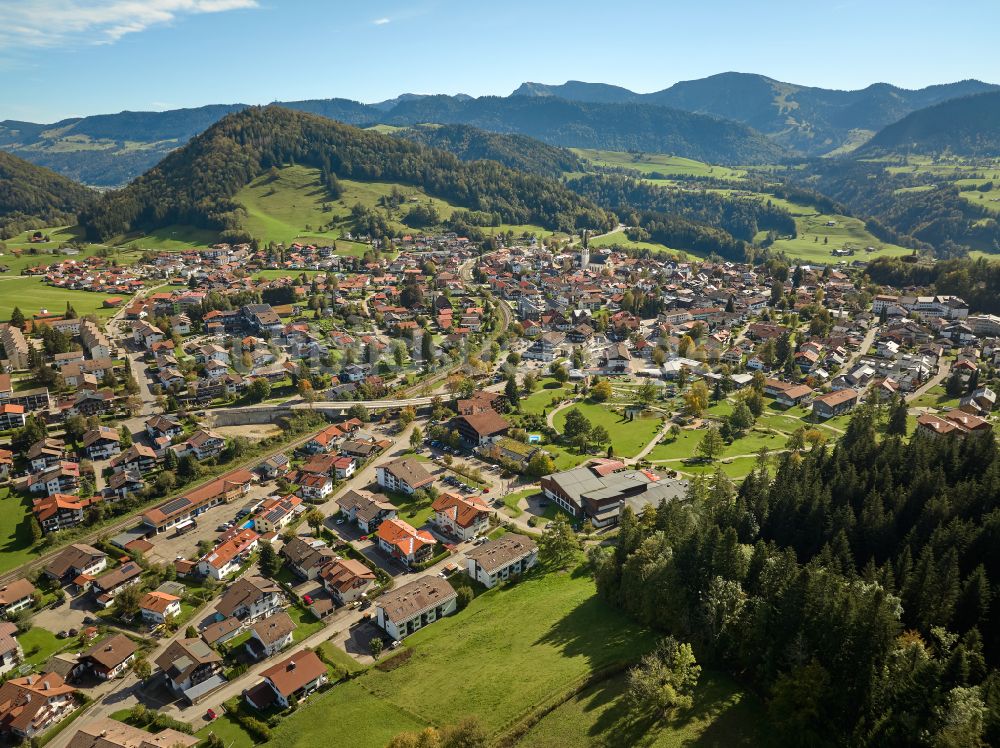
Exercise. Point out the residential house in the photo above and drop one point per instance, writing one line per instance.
(101, 443)
(407, 609)
(110, 733)
(835, 403)
(11, 654)
(497, 560)
(191, 669)
(275, 513)
(463, 518)
(250, 598)
(109, 658)
(31, 705)
(16, 595)
(405, 475)
(108, 585)
(227, 557)
(306, 558)
(347, 580)
(60, 511)
(156, 607)
(76, 560)
(481, 428)
(296, 676)
(270, 635)
(405, 543)
(315, 486)
(366, 511)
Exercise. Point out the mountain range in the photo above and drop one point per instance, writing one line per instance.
(730, 118)
(805, 119)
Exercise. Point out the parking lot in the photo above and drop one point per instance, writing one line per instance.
(168, 546)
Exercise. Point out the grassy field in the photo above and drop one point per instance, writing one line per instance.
(171, 238)
(541, 399)
(722, 716)
(15, 531)
(291, 207)
(475, 662)
(32, 296)
(39, 645)
(658, 163)
(627, 437)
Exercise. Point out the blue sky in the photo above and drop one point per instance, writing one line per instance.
(61, 58)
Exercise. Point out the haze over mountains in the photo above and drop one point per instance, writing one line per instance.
(730, 118)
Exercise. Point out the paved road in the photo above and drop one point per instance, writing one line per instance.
(943, 371)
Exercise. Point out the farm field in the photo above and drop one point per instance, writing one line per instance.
(553, 626)
(178, 237)
(722, 715)
(32, 295)
(627, 437)
(658, 163)
(619, 239)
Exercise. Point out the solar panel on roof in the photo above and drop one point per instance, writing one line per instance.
(174, 506)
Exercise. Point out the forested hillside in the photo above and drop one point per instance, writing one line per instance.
(196, 184)
(32, 196)
(855, 587)
(516, 151)
(933, 216)
(977, 281)
(969, 127)
(620, 127)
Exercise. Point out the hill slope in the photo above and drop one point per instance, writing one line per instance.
(196, 184)
(108, 149)
(32, 196)
(516, 151)
(969, 126)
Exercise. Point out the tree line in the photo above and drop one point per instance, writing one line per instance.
(853, 588)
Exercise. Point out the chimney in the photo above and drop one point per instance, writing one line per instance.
(291, 665)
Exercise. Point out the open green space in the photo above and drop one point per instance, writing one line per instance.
(735, 468)
(415, 510)
(306, 624)
(935, 397)
(171, 238)
(541, 399)
(33, 295)
(722, 715)
(474, 663)
(16, 542)
(227, 728)
(342, 661)
(659, 163)
(627, 437)
(295, 206)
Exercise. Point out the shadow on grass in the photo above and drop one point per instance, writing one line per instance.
(590, 632)
(721, 716)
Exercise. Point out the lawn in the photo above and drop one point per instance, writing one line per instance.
(15, 531)
(627, 437)
(935, 397)
(553, 627)
(32, 295)
(413, 510)
(40, 644)
(306, 624)
(227, 728)
(541, 399)
(736, 469)
(342, 661)
(722, 715)
(511, 500)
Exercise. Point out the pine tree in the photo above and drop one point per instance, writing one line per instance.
(17, 318)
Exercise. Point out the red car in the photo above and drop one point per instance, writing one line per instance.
(307, 599)
(210, 715)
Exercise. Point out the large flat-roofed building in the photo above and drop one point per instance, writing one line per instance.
(598, 490)
(221, 490)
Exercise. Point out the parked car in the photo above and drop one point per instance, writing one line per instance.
(307, 599)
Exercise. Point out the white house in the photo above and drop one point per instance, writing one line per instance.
(497, 560)
(409, 608)
(157, 607)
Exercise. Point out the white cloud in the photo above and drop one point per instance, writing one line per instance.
(381, 21)
(53, 23)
